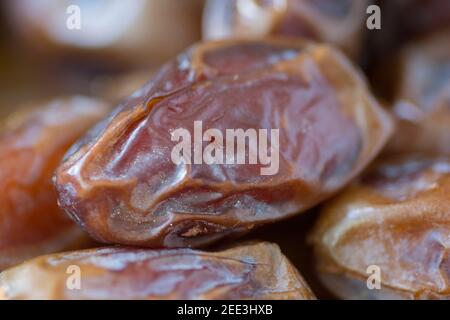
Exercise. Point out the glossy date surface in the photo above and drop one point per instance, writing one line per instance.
(32, 144)
(339, 22)
(114, 34)
(250, 271)
(396, 219)
(121, 185)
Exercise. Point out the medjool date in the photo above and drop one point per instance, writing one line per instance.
(252, 271)
(396, 219)
(423, 97)
(32, 144)
(340, 22)
(122, 185)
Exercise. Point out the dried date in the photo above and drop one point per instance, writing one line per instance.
(422, 104)
(393, 227)
(123, 185)
(89, 31)
(252, 271)
(340, 22)
(32, 144)
(423, 17)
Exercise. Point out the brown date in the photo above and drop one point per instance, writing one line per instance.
(339, 22)
(396, 219)
(122, 185)
(113, 34)
(423, 97)
(406, 20)
(32, 144)
(251, 271)
(420, 17)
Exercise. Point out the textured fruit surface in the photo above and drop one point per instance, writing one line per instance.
(121, 184)
(32, 144)
(396, 218)
(252, 271)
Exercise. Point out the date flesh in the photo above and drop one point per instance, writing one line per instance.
(122, 186)
(339, 22)
(423, 97)
(396, 218)
(250, 271)
(32, 144)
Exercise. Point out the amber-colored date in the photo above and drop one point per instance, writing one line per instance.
(340, 22)
(123, 186)
(252, 271)
(423, 97)
(32, 144)
(392, 226)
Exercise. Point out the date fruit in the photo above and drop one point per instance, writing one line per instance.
(123, 186)
(32, 144)
(114, 33)
(390, 228)
(339, 22)
(423, 97)
(250, 271)
(420, 17)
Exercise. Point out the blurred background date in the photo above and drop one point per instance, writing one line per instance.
(32, 143)
(256, 270)
(339, 22)
(74, 46)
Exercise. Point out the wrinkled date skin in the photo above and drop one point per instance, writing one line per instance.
(396, 218)
(121, 184)
(340, 22)
(423, 97)
(251, 271)
(32, 144)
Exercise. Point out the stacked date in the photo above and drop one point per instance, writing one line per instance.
(120, 184)
(394, 221)
(248, 271)
(32, 144)
(339, 22)
(422, 104)
(394, 224)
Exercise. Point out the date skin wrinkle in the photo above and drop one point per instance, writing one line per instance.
(120, 184)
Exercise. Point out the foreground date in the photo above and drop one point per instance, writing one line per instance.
(249, 271)
(32, 144)
(123, 185)
(390, 228)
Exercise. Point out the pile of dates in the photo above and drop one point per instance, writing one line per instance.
(176, 192)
